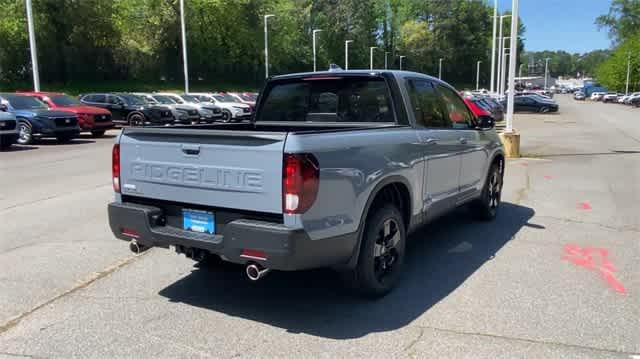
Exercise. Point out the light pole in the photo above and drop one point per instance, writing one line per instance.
(371, 56)
(512, 66)
(500, 48)
(401, 57)
(315, 32)
(346, 54)
(503, 67)
(386, 55)
(520, 72)
(266, 45)
(546, 72)
(32, 46)
(184, 48)
(628, 73)
(478, 75)
(440, 68)
(493, 45)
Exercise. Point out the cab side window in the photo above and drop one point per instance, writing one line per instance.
(426, 105)
(456, 111)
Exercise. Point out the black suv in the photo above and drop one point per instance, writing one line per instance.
(129, 109)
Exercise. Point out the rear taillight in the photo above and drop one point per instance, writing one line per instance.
(300, 179)
(115, 167)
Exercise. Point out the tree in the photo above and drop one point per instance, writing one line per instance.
(622, 21)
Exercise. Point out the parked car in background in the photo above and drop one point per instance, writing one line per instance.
(475, 109)
(491, 105)
(336, 170)
(630, 98)
(128, 109)
(8, 128)
(610, 97)
(597, 96)
(635, 101)
(182, 113)
(90, 118)
(232, 110)
(35, 120)
(208, 111)
(579, 95)
(534, 103)
(248, 98)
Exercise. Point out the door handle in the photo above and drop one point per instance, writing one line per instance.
(463, 141)
(430, 141)
(191, 150)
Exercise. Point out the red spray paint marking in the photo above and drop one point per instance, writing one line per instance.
(584, 205)
(524, 164)
(548, 177)
(594, 259)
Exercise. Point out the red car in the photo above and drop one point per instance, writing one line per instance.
(90, 119)
(477, 110)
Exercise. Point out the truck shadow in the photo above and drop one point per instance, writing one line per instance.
(440, 258)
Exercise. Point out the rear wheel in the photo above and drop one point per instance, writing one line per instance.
(486, 207)
(382, 253)
(99, 133)
(25, 135)
(136, 120)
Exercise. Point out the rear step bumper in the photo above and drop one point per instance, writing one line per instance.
(284, 248)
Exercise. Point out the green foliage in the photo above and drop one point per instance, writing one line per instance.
(138, 41)
(622, 21)
(613, 72)
(562, 63)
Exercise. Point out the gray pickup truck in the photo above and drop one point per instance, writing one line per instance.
(334, 170)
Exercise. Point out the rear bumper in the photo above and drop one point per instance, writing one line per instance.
(285, 248)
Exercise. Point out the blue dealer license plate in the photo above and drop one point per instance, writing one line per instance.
(198, 221)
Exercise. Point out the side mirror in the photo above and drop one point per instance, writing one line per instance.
(486, 122)
(4, 107)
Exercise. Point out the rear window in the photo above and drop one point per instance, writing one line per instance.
(336, 99)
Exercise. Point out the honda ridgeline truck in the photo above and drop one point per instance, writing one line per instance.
(334, 170)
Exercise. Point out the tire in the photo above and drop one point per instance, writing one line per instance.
(136, 120)
(486, 207)
(99, 133)
(226, 116)
(25, 135)
(382, 254)
(544, 109)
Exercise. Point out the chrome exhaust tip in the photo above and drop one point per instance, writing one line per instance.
(136, 247)
(255, 272)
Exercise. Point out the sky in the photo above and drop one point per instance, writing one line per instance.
(562, 24)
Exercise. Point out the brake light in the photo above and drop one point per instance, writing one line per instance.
(300, 180)
(115, 167)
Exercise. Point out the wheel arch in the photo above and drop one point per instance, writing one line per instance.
(395, 188)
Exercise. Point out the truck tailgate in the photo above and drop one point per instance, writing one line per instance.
(230, 169)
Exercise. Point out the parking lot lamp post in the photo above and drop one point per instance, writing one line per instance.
(478, 75)
(346, 54)
(185, 64)
(626, 92)
(440, 68)
(401, 57)
(503, 66)
(546, 72)
(32, 46)
(386, 55)
(315, 32)
(266, 45)
(520, 72)
(500, 48)
(371, 56)
(493, 45)
(512, 66)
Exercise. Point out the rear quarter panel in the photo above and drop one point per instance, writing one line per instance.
(352, 164)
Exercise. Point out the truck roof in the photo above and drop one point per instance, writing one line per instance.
(340, 72)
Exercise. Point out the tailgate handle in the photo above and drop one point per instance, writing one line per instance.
(191, 150)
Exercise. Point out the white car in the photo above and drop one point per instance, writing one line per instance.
(597, 96)
(208, 111)
(610, 97)
(231, 109)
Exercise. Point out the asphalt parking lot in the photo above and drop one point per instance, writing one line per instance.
(556, 275)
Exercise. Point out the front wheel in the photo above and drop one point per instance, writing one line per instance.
(226, 115)
(486, 207)
(382, 253)
(25, 135)
(544, 109)
(136, 120)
